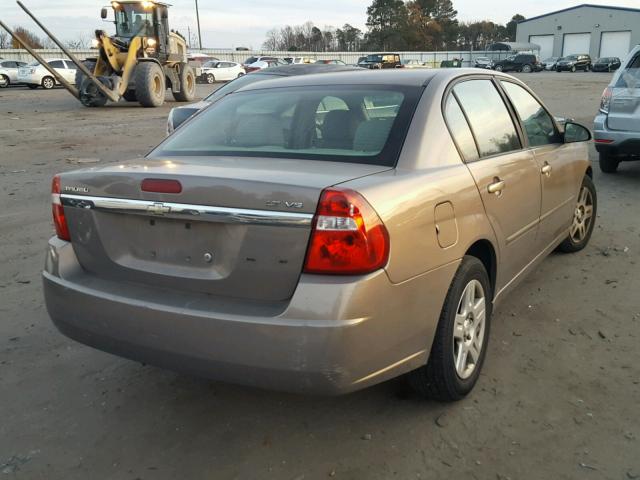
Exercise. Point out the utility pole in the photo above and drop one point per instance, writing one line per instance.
(198, 18)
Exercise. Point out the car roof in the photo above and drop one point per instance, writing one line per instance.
(305, 69)
(399, 77)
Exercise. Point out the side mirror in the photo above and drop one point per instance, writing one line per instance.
(104, 13)
(574, 132)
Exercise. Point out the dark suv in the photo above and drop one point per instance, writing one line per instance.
(522, 62)
(381, 60)
(571, 63)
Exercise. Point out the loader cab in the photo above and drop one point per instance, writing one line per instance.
(146, 19)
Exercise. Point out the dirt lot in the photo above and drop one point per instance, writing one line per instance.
(558, 398)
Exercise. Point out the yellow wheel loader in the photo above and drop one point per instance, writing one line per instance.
(138, 63)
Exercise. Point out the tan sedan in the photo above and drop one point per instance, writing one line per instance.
(323, 233)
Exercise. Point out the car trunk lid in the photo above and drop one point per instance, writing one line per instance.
(239, 227)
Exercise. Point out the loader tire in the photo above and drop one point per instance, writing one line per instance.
(187, 85)
(150, 84)
(90, 96)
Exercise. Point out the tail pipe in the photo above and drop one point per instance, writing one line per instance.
(73, 90)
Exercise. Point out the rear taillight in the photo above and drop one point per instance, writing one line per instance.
(59, 220)
(348, 237)
(605, 101)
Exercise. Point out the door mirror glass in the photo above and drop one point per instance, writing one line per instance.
(104, 13)
(574, 132)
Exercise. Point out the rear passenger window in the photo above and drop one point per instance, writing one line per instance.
(488, 116)
(56, 64)
(460, 130)
(537, 122)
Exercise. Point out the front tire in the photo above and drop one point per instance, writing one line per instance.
(526, 69)
(4, 81)
(187, 85)
(32, 86)
(499, 68)
(584, 218)
(48, 83)
(608, 164)
(211, 79)
(573, 69)
(461, 338)
(150, 84)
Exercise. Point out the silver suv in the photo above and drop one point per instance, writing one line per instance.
(617, 125)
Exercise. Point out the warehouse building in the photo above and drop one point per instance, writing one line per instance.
(598, 30)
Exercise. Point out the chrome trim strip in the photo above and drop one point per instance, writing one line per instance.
(183, 211)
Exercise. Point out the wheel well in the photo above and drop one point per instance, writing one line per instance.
(483, 250)
(589, 172)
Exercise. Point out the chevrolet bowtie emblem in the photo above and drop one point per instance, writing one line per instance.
(158, 209)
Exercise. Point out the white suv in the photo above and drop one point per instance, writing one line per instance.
(35, 75)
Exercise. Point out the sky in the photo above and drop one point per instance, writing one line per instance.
(244, 23)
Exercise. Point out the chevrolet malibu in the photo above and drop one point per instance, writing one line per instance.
(323, 233)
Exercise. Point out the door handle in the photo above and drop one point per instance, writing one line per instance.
(497, 186)
(546, 169)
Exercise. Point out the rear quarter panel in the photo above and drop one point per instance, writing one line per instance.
(429, 172)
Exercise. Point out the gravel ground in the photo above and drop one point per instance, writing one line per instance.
(558, 398)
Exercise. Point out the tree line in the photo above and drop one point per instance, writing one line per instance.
(420, 25)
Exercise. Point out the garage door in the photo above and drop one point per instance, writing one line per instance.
(576, 43)
(546, 45)
(615, 44)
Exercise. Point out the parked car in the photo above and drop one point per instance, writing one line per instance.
(331, 61)
(572, 63)
(606, 64)
(298, 60)
(262, 64)
(483, 62)
(272, 240)
(412, 63)
(251, 60)
(35, 75)
(550, 63)
(522, 62)
(381, 60)
(221, 71)
(9, 72)
(181, 114)
(617, 124)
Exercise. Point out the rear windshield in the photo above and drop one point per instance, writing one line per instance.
(629, 76)
(236, 84)
(357, 124)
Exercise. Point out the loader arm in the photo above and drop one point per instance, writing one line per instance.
(73, 90)
(110, 94)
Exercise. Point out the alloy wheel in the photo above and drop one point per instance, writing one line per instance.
(583, 216)
(469, 329)
(48, 83)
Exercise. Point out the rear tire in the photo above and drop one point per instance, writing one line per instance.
(499, 68)
(48, 83)
(584, 218)
(459, 325)
(32, 86)
(187, 85)
(150, 84)
(4, 81)
(608, 163)
(573, 69)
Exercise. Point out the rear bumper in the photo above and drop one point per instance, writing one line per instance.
(335, 335)
(619, 142)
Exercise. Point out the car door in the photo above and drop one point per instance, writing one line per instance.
(70, 72)
(556, 161)
(507, 176)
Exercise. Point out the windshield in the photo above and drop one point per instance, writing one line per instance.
(571, 57)
(133, 20)
(604, 60)
(337, 123)
(211, 64)
(374, 58)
